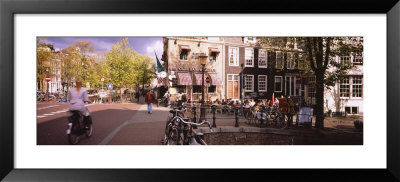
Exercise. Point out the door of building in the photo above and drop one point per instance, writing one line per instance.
(292, 86)
(233, 86)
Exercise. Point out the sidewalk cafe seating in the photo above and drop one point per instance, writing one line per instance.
(304, 117)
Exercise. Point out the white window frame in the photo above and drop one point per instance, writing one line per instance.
(275, 83)
(351, 109)
(341, 57)
(349, 84)
(353, 84)
(291, 61)
(281, 62)
(247, 57)
(354, 56)
(245, 83)
(265, 57)
(311, 86)
(232, 80)
(235, 61)
(266, 83)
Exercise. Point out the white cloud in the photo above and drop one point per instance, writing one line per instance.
(158, 47)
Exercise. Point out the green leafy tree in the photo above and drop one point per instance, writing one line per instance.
(70, 64)
(119, 64)
(145, 70)
(43, 58)
(85, 49)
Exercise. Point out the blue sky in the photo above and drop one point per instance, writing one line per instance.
(142, 45)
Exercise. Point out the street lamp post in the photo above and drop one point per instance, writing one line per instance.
(47, 86)
(203, 61)
(243, 86)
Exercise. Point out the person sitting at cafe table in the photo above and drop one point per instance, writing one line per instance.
(223, 102)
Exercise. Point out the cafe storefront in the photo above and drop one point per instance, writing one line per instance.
(189, 81)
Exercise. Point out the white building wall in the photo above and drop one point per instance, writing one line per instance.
(335, 103)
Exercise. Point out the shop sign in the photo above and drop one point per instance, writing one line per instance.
(196, 69)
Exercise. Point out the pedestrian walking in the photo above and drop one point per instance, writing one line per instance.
(290, 112)
(184, 99)
(137, 96)
(149, 98)
(167, 97)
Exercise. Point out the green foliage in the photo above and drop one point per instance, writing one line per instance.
(121, 65)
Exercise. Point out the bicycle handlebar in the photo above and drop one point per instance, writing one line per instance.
(192, 123)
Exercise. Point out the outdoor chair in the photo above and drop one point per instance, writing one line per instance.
(304, 117)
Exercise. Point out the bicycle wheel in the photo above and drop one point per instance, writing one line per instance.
(281, 121)
(73, 137)
(89, 131)
(173, 137)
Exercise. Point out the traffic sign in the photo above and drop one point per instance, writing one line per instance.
(109, 86)
(48, 78)
(102, 79)
(208, 79)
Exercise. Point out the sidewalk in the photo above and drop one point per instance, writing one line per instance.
(142, 128)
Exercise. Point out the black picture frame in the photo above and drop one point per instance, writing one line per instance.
(9, 8)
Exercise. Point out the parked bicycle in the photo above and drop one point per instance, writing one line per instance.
(77, 127)
(179, 130)
(269, 116)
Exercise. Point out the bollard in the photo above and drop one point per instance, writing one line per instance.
(214, 108)
(194, 117)
(262, 115)
(236, 117)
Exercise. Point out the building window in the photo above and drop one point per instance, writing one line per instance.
(290, 61)
(249, 61)
(262, 83)
(213, 57)
(278, 84)
(344, 59)
(279, 60)
(233, 56)
(311, 87)
(184, 55)
(262, 58)
(249, 83)
(356, 86)
(197, 88)
(181, 89)
(357, 59)
(351, 110)
(344, 87)
(351, 86)
(233, 86)
(212, 89)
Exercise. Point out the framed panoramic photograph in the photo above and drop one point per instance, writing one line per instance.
(143, 91)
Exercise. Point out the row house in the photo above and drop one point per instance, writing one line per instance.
(53, 69)
(263, 71)
(55, 72)
(242, 69)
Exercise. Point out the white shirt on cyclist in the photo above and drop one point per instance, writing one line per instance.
(76, 100)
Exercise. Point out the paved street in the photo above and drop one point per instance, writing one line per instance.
(129, 124)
